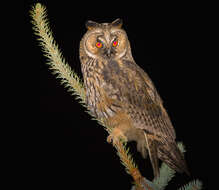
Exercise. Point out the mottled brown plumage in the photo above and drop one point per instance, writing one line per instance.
(121, 94)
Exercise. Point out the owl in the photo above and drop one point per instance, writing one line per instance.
(121, 94)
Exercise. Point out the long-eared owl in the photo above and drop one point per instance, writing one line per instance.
(122, 95)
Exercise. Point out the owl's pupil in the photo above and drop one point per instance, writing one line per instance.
(115, 43)
(99, 45)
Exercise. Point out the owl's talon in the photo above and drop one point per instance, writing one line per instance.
(109, 139)
(115, 136)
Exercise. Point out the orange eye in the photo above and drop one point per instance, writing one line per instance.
(115, 43)
(99, 45)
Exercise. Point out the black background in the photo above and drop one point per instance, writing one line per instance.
(167, 42)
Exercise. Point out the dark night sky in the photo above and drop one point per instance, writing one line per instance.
(168, 46)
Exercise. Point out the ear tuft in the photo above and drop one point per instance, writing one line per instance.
(91, 24)
(117, 23)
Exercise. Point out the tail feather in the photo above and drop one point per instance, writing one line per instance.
(171, 155)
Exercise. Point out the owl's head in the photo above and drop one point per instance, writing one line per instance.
(105, 40)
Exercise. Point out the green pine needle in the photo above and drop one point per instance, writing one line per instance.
(166, 173)
(193, 185)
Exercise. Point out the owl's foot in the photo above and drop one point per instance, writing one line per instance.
(116, 135)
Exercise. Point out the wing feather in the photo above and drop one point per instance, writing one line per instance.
(139, 98)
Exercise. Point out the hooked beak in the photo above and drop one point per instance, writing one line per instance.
(109, 52)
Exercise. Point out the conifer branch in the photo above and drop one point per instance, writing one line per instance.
(55, 58)
(130, 166)
(75, 86)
